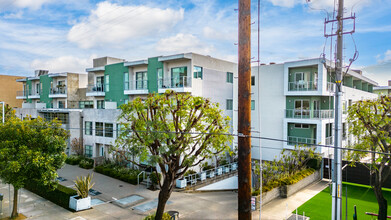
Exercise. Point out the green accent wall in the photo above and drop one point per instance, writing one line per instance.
(29, 89)
(310, 69)
(357, 84)
(116, 83)
(153, 65)
(370, 88)
(348, 81)
(45, 81)
(365, 86)
(302, 132)
(325, 101)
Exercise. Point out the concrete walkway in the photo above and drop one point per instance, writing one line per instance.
(115, 194)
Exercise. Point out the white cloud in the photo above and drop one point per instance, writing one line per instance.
(183, 43)
(321, 4)
(386, 57)
(114, 24)
(63, 64)
(219, 34)
(31, 4)
(284, 3)
(17, 15)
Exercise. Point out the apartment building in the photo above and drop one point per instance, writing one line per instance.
(383, 90)
(8, 89)
(293, 102)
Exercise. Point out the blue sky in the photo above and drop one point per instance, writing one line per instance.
(61, 35)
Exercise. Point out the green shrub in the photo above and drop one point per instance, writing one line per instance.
(297, 177)
(86, 163)
(60, 195)
(166, 216)
(118, 172)
(73, 160)
(155, 177)
(314, 163)
(189, 172)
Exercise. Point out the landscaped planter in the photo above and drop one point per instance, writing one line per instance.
(219, 171)
(203, 176)
(211, 174)
(234, 167)
(181, 183)
(79, 204)
(226, 169)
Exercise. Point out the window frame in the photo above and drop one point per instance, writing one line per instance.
(88, 129)
(99, 130)
(108, 133)
(229, 104)
(198, 72)
(230, 77)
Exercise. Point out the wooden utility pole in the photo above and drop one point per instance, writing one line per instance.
(244, 111)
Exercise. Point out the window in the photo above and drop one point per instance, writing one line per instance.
(253, 80)
(302, 108)
(37, 88)
(229, 104)
(86, 104)
(126, 81)
(343, 130)
(99, 84)
(100, 104)
(305, 126)
(179, 77)
(141, 80)
(230, 77)
(160, 77)
(197, 72)
(61, 104)
(88, 127)
(88, 150)
(107, 83)
(252, 104)
(99, 129)
(108, 130)
(119, 130)
(62, 117)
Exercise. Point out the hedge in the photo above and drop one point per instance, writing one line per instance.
(73, 160)
(60, 195)
(117, 172)
(86, 163)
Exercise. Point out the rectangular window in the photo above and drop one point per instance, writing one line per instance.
(107, 83)
(99, 129)
(99, 84)
(343, 130)
(86, 104)
(197, 72)
(230, 77)
(88, 127)
(179, 77)
(118, 130)
(229, 104)
(126, 81)
(252, 104)
(141, 80)
(304, 126)
(160, 77)
(61, 104)
(88, 151)
(100, 104)
(253, 80)
(108, 130)
(37, 88)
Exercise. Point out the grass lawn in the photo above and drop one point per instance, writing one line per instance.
(319, 207)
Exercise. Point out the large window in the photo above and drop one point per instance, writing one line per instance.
(86, 104)
(62, 117)
(88, 150)
(100, 104)
(119, 130)
(230, 77)
(302, 108)
(61, 104)
(88, 127)
(197, 72)
(229, 104)
(99, 83)
(304, 126)
(126, 81)
(141, 80)
(99, 129)
(178, 77)
(107, 83)
(160, 77)
(108, 130)
(252, 104)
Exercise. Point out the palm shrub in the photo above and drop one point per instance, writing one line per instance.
(83, 185)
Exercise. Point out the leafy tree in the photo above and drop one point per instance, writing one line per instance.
(370, 122)
(9, 112)
(30, 150)
(295, 160)
(77, 146)
(174, 131)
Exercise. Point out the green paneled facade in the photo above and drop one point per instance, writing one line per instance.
(29, 87)
(308, 71)
(114, 89)
(325, 102)
(45, 81)
(153, 66)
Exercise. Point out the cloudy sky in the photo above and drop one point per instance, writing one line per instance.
(65, 35)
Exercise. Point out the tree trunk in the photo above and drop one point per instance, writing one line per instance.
(164, 195)
(382, 202)
(14, 213)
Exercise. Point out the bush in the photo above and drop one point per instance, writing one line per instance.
(155, 177)
(73, 160)
(189, 172)
(86, 163)
(118, 172)
(60, 195)
(314, 163)
(166, 216)
(297, 177)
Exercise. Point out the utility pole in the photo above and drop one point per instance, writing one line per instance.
(244, 111)
(337, 171)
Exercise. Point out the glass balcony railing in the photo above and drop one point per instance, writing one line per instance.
(180, 82)
(309, 114)
(21, 93)
(58, 91)
(300, 140)
(329, 140)
(302, 86)
(136, 85)
(96, 88)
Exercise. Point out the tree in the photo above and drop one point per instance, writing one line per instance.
(174, 131)
(9, 112)
(77, 146)
(30, 150)
(370, 122)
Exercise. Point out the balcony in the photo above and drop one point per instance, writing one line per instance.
(59, 92)
(95, 90)
(309, 114)
(35, 94)
(21, 94)
(329, 140)
(330, 87)
(302, 86)
(136, 87)
(300, 140)
(181, 84)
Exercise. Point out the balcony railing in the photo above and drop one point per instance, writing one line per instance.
(309, 114)
(302, 86)
(300, 140)
(181, 82)
(330, 87)
(96, 88)
(329, 140)
(21, 93)
(58, 91)
(136, 85)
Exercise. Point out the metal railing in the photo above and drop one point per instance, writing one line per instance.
(96, 88)
(33, 92)
(59, 90)
(329, 140)
(309, 114)
(302, 86)
(138, 177)
(21, 93)
(136, 85)
(180, 82)
(330, 87)
(202, 176)
(300, 140)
